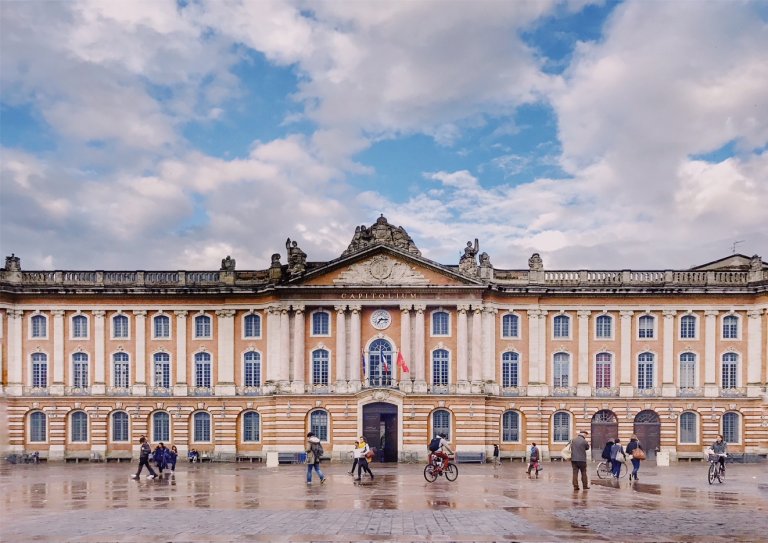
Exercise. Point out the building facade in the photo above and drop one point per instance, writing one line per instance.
(383, 342)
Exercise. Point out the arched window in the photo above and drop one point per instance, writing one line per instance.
(251, 426)
(730, 327)
(321, 323)
(162, 369)
(645, 370)
(79, 326)
(252, 326)
(161, 427)
(320, 367)
(440, 367)
(252, 369)
(561, 326)
(202, 423)
(79, 427)
(39, 370)
(687, 370)
(39, 326)
(202, 326)
(561, 370)
(37, 427)
(730, 370)
(731, 427)
(120, 367)
(80, 370)
(380, 363)
(688, 327)
(645, 328)
(510, 326)
(162, 326)
(120, 326)
(441, 423)
(510, 370)
(510, 426)
(603, 367)
(440, 322)
(203, 370)
(318, 424)
(120, 426)
(604, 327)
(688, 428)
(561, 426)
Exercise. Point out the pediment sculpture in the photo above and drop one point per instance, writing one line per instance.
(381, 270)
(381, 233)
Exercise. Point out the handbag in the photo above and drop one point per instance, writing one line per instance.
(310, 457)
(638, 454)
(566, 452)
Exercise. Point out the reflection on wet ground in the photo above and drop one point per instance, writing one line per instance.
(208, 502)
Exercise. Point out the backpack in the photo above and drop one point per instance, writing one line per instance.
(317, 449)
(434, 445)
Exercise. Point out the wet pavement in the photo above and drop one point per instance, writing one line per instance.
(250, 502)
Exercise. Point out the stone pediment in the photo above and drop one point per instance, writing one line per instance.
(381, 270)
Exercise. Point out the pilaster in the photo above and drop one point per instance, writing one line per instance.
(710, 363)
(419, 384)
(625, 375)
(754, 351)
(285, 348)
(273, 345)
(181, 388)
(99, 385)
(668, 388)
(15, 383)
(57, 386)
(462, 369)
(140, 367)
(405, 340)
(225, 382)
(356, 351)
(341, 348)
(534, 358)
(582, 373)
(297, 379)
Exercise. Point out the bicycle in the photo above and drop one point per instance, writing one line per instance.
(437, 468)
(604, 469)
(716, 470)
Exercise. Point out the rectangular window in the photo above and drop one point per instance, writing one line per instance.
(603, 375)
(645, 327)
(440, 372)
(80, 375)
(39, 326)
(162, 373)
(561, 326)
(510, 377)
(731, 327)
(162, 326)
(203, 374)
(561, 371)
(603, 327)
(688, 428)
(202, 326)
(252, 373)
(440, 323)
(688, 327)
(510, 326)
(121, 374)
(320, 324)
(729, 374)
(39, 374)
(645, 375)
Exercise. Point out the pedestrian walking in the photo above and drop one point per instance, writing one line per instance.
(160, 457)
(362, 461)
(173, 455)
(618, 457)
(533, 461)
(355, 458)
(606, 455)
(144, 451)
(496, 457)
(632, 446)
(314, 453)
(579, 448)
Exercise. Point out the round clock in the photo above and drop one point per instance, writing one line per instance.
(381, 319)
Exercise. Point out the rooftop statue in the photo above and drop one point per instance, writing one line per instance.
(468, 261)
(381, 233)
(297, 259)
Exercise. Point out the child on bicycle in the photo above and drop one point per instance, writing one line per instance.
(720, 448)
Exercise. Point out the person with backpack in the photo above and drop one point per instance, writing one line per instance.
(533, 461)
(365, 454)
(438, 445)
(314, 453)
(144, 452)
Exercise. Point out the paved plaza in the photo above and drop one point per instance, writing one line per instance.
(250, 502)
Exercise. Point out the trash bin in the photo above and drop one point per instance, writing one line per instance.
(662, 458)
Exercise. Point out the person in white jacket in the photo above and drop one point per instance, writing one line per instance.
(362, 460)
(314, 452)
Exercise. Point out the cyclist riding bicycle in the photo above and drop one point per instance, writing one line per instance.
(437, 445)
(720, 448)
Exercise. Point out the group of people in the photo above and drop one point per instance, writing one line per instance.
(164, 458)
(615, 453)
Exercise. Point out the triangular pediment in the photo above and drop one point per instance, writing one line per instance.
(735, 262)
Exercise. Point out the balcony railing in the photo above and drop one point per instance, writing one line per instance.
(733, 392)
(118, 391)
(318, 389)
(690, 392)
(605, 392)
(249, 391)
(563, 391)
(512, 391)
(439, 389)
(201, 391)
(651, 392)
(35, 391)
(77, 391)
(379, 382)
(160, 391)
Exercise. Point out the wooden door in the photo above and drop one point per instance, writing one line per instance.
(647, 428)
(605, 427)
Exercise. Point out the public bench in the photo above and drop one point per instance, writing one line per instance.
(468, 457)
(513, 455)
(291, 457)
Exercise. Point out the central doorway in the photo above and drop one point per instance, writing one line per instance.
(605, 428)
(380, 429)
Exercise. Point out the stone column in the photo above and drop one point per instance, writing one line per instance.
(544, 359)
(582, 373)
(356, 351)
(476, 350)
(57, 370)
(272, 371)
(15, 342)
(99, 384)
(181, 388)
(668, 355)
(625, 375)
(297, 379)
(225, 380)
(341, 348)
(710, 363)
(754, 351)
(534, 358)
(490, 383)
(419, 384)
(462, 368)
(140, 366)
(285, 349)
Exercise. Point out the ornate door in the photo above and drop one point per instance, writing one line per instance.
(605, 427)
(648, 431)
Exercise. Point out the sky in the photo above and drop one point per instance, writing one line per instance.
(170, 134)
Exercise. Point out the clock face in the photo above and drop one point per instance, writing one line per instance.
(381, 319)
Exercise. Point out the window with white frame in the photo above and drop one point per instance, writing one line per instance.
(80, 327)
(510, 370)
(688, 327)
(202, 370)
(202, 327)
(202, 426)
(120, 426)
(38, 427)
(321, 323)
(645, 327)
(561, 426)
(510, 326)
(251, 427)
(162, 370)
(162, 326)
(39, 325)
(730, 327)
(731, 427)
(645, 369)
(79, 427)
(161, 426)
(730, 369)
(80, 370)
(687, 370)
(252, 369)
(510, 427)
(252, 326)
(320, 363)
(441, 423)
(440, 367)
(561, 326)
(40, 370)
(440, 323)
(604, 327)
(120, 370)
(561, 370)
(603, 370)
(689, 428)
(120, 326)
(318, 424)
